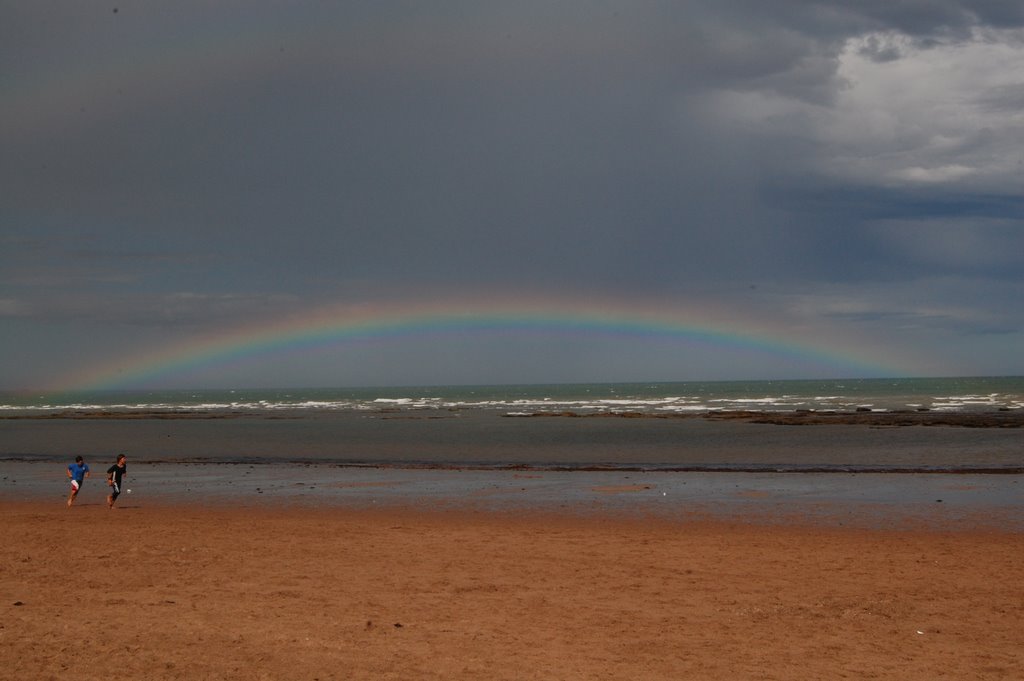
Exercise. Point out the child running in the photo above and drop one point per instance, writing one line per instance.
(115, 474)
(78, 472)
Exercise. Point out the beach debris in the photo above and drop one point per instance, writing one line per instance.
(18, 603)
(398, 625)
(920, 632)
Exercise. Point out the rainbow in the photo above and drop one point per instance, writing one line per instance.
(337, 325)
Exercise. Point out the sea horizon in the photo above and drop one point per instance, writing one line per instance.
(952, 393)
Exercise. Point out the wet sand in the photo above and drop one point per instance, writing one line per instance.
(296, 591)
(961, 501)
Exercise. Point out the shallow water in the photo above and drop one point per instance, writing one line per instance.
(480, 437)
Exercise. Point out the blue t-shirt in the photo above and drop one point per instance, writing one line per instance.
(78, 471)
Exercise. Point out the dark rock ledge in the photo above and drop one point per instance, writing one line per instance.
(879, 419)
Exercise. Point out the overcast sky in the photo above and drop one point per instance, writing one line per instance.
(842, 174)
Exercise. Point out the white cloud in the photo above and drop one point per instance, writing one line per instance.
(905, 112)
(949, 173)
(925, 117)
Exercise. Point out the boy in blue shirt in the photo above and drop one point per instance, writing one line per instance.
(78, 472)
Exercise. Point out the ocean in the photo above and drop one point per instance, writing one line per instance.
(881, 394)
(487, 426)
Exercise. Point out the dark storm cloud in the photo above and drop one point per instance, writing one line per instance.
(213, 158)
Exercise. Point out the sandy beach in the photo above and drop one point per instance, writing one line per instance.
(286, 592)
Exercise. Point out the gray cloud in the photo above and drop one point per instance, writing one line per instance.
(177, 163)
(1005, 99)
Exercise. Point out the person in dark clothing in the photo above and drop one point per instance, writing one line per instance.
(115, 476)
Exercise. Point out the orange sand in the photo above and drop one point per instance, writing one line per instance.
(187, 593)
